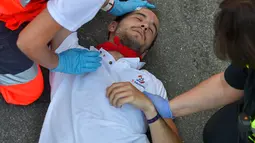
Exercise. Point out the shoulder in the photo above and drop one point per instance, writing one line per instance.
(70, 13)
(155, 86)
(236, 76)
(150, 75)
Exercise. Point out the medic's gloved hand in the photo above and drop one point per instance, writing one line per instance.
(161, 104)
(78, 61)
(123, 7)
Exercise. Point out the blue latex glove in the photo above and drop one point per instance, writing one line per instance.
(78, 61)
(123, 7)
(161, 104)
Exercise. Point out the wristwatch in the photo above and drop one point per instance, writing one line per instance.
(109, 6)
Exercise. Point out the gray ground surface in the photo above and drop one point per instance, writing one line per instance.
(181, 58)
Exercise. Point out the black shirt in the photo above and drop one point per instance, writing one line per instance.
(243, 79)
(236, 77)
(12, 60)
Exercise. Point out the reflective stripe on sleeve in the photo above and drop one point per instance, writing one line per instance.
(23, 77)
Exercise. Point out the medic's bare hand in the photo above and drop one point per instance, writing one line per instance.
(123, 7)
(78, 61)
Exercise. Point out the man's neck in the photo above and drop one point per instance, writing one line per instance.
(116, 55)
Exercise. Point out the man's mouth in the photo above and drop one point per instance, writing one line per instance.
(140, 33)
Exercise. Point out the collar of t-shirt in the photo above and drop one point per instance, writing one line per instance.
(109, 59)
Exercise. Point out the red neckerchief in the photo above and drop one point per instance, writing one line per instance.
(117, 46)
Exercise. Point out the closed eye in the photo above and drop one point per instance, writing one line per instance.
(139, 19)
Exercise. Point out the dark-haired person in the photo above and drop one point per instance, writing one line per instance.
(234, 88)
(21, 81)
(83, 107)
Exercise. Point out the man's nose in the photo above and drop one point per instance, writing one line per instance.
(145, 27)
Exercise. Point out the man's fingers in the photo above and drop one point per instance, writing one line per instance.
(117, 97)
(124, 100)
(117, 91)
(112, 87)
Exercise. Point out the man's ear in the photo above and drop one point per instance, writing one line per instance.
(113, 26)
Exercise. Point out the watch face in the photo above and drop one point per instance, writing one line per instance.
(109, 6)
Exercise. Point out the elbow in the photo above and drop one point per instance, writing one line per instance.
(24, 45)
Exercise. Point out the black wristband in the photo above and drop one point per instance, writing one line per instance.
(154, 119)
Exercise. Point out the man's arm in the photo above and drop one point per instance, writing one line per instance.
(212, 93)
(162, 131)
(125, 93)
(34, 38)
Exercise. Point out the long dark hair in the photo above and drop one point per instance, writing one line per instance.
(235, 32)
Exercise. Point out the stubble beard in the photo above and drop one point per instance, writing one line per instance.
(129, 41)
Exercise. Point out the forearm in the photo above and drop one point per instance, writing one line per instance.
(59, 38)
(212, 93)
(34, 38)
(43, 56)
(161, 132)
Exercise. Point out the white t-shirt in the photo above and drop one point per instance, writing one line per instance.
(72, 14)
(80, 112)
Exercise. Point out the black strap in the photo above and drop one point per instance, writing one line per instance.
(249, 98)
(248, 107)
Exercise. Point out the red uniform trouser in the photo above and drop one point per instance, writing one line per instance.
(24, 93)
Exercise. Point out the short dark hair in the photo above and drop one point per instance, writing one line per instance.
(234, 27)
(120, 18)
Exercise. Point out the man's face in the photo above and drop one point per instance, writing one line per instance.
(138, 30)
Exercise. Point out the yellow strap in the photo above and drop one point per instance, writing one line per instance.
(247, 66)
(251, 139)
(253, 124)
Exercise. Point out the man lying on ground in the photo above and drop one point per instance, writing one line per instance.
(108, 106)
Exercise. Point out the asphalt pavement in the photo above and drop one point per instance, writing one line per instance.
(182, 57)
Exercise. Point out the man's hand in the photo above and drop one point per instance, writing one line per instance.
(125, 93)
(78, 61)
(123, 7)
